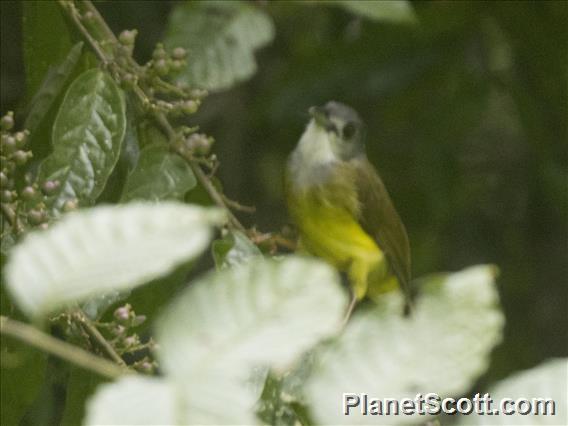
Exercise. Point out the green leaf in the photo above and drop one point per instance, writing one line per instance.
(546, 381)
(93, 251)
(51, 87)
(399, 11)
(221, 38)
(159, 175)
(87, 137)
(46, 41)
(80, 386)
(262, 313)
(234, 249)
(443, 347)
(23, 370)
(151, 401)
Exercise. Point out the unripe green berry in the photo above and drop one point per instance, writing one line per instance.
(179, 53)
(29, 193)
(127, 37)
(70, 205)
(35, 217)
(21, 157)
(129, 79)
(8, 121)
(198, 93)
(8, 144)
(21, 138)
(159, 52)
(7, 196)
(162, 67)
(9, 166)
(177, 65)
(122, 314)
(50, 186)
(4, 181)
(190, 106)
(145, 367)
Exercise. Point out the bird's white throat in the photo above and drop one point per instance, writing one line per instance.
(314, 150)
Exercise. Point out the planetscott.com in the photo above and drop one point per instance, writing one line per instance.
(433, 404)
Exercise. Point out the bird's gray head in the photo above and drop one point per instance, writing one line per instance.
(343, 128)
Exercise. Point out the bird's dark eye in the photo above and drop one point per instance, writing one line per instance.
(349, 131)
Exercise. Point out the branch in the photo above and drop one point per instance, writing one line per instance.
(97, 21)
(12, 217)
(96, 335)
(33, 337)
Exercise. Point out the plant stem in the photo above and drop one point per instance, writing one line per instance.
(98, 21)
(69, 7)
(11, 217)
(96, 335)
(33, 337)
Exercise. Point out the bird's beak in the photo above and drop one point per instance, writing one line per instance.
(320, 116)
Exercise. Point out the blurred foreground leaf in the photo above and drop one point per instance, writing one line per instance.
(263, 313)
(217, 334)
(548, 380)
(221, 38)
(87, 137)
(94, 251)
(443, 347)
(151, 401)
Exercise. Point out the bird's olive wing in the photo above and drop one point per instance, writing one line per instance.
(379, 219)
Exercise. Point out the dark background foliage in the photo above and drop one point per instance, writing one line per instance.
(466, 116)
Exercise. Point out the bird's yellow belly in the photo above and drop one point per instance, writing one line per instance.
(334, 235)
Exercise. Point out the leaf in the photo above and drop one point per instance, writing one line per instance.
(443, 347)
(23, 371)
(81, 385)
(51, 87)
(134, 400)
(234, 249)
(87, 137)
(262, 313)
(547, 381)
(151, 401)
(93, 251)
(46, 41)
(159, 175)
(399, 11)
(221, 38)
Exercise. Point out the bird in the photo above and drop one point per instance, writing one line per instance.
(341, 207)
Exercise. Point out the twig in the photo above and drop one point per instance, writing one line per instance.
(198, 172)
(96, 335)
(238, 206)
(215, 195)
(69, 6)
(11, 217)
(97, 19)
(59, 348)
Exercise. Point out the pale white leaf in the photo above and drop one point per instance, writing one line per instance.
(93, 251)
(262, 313)
(548, 381)
(134, 400)
(162, 401)
(443, 347)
